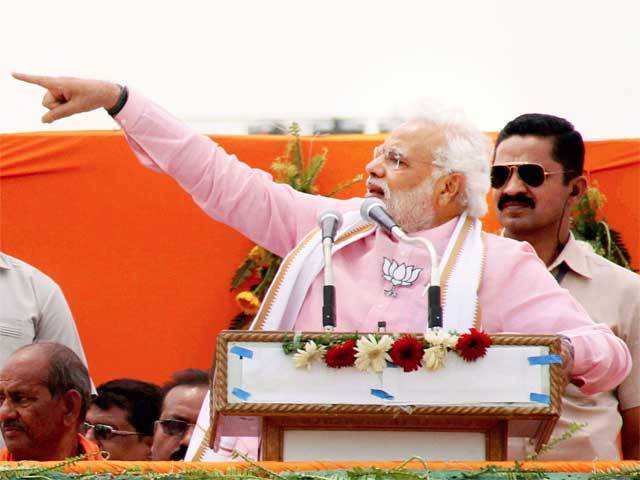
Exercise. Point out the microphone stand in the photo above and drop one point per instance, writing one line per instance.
(329, 223)
(329, 289)
(433, 292)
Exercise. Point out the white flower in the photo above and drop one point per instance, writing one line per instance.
(438, 336)
(452, 340)
(434, 357)
(311, 352)
(371, 354)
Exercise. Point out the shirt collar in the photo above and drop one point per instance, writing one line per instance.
(575, 256)
(4, 263)
(439, 235)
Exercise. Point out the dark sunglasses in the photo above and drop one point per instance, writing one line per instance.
(105, 432)
(532, 174)
(174, 427)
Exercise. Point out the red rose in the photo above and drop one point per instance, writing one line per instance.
(407, 352)
(473, 345)
(342, 355)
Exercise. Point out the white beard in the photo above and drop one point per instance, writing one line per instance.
(412, 209)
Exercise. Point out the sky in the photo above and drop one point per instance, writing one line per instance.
(220, 64)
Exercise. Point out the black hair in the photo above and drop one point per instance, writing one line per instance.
(141, 400)
(568, 146)
(189, 376)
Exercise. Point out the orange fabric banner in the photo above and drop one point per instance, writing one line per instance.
(147, 273)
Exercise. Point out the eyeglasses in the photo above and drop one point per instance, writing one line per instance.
(392, 156)
(105, 432)
(174, 427)
(532, 174)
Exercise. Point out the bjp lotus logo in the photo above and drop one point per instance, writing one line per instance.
(400, 275)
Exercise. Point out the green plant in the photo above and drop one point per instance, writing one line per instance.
(589, 227)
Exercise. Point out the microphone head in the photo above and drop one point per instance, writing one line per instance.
(329, 222)
(367, 205)
(330, 214)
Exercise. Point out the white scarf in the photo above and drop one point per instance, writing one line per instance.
(461, 271)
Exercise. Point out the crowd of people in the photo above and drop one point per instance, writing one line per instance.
(433, 173)
(48, 411)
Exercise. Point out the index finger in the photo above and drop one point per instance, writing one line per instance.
(41, 80)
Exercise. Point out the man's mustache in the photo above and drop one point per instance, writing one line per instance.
(178, 454)
(520, 198)
(378, 183)
(13, 424)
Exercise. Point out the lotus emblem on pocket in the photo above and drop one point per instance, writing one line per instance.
(400, 275)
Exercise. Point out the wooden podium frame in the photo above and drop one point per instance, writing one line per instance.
(536, 421)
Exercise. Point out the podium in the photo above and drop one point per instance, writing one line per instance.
(463, 411)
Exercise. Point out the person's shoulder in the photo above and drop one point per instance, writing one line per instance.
(5, 455)
(605, 270)
(28, 271)
(506, 257)
(507, 246)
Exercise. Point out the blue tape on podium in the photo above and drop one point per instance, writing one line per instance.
(539, 398)
(241, 394)
(545, 360)
(241, 352)
(381, 394)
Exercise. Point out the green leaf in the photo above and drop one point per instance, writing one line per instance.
(243, 273)
(312, 171)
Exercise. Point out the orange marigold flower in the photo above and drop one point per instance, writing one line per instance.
(257, 254)
(248, 302)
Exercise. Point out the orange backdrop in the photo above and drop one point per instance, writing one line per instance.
(145, 271)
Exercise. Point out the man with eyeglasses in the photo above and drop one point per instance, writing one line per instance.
(432, 173)
(183, 396)
(122, 416)
(537, 178)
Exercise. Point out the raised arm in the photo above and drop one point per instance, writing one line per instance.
(273, 215)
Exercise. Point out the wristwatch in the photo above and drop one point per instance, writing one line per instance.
(122, 99)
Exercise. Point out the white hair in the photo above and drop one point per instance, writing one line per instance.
(465, 150)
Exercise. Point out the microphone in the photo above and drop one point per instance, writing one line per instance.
(373, 210)
(329, 222)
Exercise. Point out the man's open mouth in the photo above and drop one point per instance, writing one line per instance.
(374, 190)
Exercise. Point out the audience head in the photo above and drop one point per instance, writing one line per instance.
(121, 418)
(537, 173)
(430, 169)
(183, 397)
(44, 395)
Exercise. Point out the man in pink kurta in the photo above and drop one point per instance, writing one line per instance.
(517, 294)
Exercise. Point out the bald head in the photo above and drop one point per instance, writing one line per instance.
(44, 393)
(55, 365)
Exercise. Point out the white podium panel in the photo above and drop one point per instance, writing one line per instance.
(344, 445)
(503, 377)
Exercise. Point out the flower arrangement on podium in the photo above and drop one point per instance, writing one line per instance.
(376, 351)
